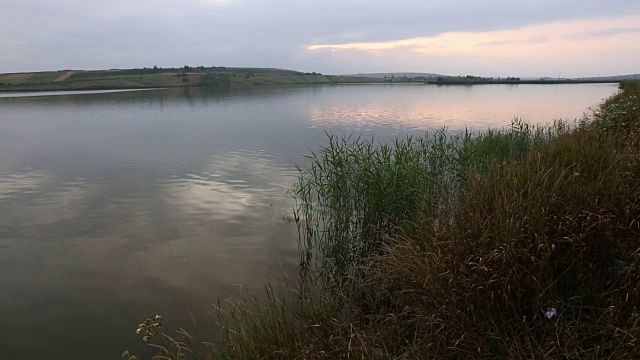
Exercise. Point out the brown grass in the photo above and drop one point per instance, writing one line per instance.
(557, 230)
(64, 76)
(15, 79)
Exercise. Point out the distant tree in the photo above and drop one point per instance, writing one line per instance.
(187, 68)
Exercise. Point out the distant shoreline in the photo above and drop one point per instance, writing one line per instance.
(522, 82)
(210, 77)
(223, 78)
(245, 86)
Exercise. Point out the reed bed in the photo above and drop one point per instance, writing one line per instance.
(355, 192)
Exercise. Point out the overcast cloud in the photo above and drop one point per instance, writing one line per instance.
(494, 37)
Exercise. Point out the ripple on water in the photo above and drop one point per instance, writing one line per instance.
(17, 184)
(232, 187)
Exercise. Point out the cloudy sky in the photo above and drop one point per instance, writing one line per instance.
(480, 37)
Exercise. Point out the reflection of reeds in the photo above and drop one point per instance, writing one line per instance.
(517, 243)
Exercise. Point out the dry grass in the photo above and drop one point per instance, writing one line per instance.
(557, 230)
(64, 76)
(15, 79)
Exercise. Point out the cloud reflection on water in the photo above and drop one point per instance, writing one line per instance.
(427, 107)
(230, 188)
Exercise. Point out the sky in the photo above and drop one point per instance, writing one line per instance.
(571, 38)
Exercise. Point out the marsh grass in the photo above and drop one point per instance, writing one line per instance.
(354, 192)
(556, 230)
(459, 246)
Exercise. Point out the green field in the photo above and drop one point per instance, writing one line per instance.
(168, 77)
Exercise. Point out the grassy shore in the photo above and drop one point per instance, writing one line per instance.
(521, 242)
(158, 77)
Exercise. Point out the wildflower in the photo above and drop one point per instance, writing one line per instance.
(150, 326)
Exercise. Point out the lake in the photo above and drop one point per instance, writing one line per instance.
(118, 205)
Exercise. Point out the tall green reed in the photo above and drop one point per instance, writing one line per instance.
(353, 193)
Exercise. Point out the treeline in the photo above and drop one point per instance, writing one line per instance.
(471, 78)
(408, 78)
(450, 79)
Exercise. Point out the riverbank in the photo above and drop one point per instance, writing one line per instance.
(511, 243)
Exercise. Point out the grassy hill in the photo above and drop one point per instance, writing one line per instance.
(167, 77)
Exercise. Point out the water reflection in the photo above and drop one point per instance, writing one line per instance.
(418, 107)
(233, 188)
(175, 244)
(26, 182)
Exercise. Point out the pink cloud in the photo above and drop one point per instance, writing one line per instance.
(584, 42)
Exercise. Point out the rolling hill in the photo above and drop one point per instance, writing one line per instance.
(165, 77)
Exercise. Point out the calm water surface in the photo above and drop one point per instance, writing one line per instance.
(117, 205)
